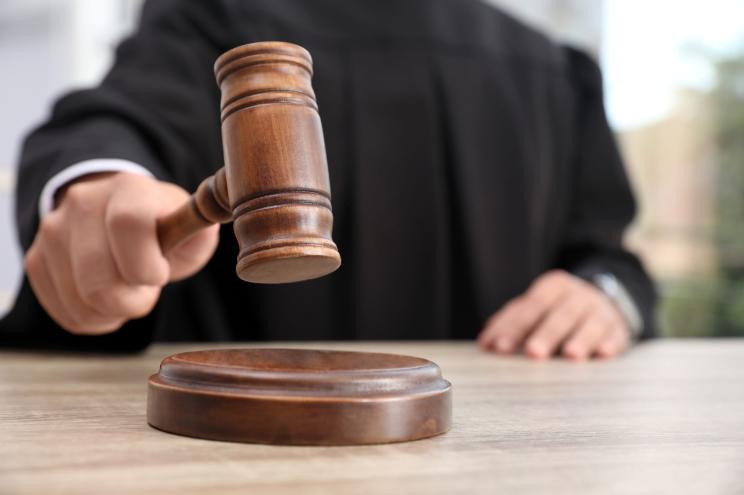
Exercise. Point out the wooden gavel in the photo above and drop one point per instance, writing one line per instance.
(275, 188)
(274, 185)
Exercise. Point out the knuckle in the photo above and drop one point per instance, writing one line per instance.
(544, 288)
(32, 262)
(142, 309)
(123, 219)
(557, 275)
(512, 307)
(540, 284)
(50, 226)
(77, 195)
(122, 302)
(141, 306)
(122, 181)
(538, 299)
(144, 272)
(96, 297)
(103, 299)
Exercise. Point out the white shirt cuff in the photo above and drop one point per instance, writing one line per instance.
(98, 165)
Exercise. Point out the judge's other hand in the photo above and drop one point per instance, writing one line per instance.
(558, 313)
(96, 263)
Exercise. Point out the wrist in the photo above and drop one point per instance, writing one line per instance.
(614, 290)
(49, 194)
(59, 195)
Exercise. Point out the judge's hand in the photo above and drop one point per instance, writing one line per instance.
(558, 313)
(96, 263)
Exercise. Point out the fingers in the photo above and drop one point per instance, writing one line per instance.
(564, 317)
(614, 342)
(96, 261)
(130, 227)
(506, 330)
(584, 341)
(42, 285)
(558, 312)
(60, 295)
(192, 254)
(97, 277)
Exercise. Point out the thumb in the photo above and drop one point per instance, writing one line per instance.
(190, 256)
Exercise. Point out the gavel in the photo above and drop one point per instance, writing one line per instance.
(274, 186)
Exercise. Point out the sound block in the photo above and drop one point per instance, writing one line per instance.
(299, 397)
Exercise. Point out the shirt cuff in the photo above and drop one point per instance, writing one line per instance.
(98, 165)
(619, 295)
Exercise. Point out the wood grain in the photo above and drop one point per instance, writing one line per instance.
(275, 163)
(299, 397)
(275, 185)
(666, 418)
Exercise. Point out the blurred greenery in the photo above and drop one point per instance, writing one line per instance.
(715, 306)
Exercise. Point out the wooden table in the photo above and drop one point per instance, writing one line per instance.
(666, 418)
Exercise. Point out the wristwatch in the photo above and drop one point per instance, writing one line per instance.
(616, 292)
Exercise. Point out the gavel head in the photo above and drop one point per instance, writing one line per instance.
(276, 174)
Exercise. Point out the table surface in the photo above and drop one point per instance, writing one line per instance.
(668, 417)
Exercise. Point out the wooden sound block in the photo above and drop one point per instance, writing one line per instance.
(299, 397)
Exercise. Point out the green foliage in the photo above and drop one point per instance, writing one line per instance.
(689, 307)
(732, 314)
(728, 110)
(715, 307)
(728, 107)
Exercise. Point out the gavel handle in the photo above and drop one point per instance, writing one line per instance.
(207, 206)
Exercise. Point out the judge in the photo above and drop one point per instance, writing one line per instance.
(478, 192)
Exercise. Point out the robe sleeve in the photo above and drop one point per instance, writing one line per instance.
(602, 202)
(157, 107)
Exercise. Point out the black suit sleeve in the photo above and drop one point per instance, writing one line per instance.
(157, 107)
(602, 204)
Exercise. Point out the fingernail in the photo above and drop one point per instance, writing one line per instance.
(575, 352)
(604, 351)
(537, 350)
(504, 344)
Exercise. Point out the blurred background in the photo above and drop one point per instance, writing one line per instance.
(674, 83)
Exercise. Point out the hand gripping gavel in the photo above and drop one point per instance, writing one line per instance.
(274, 185)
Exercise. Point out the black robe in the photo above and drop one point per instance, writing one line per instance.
(468, 154)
